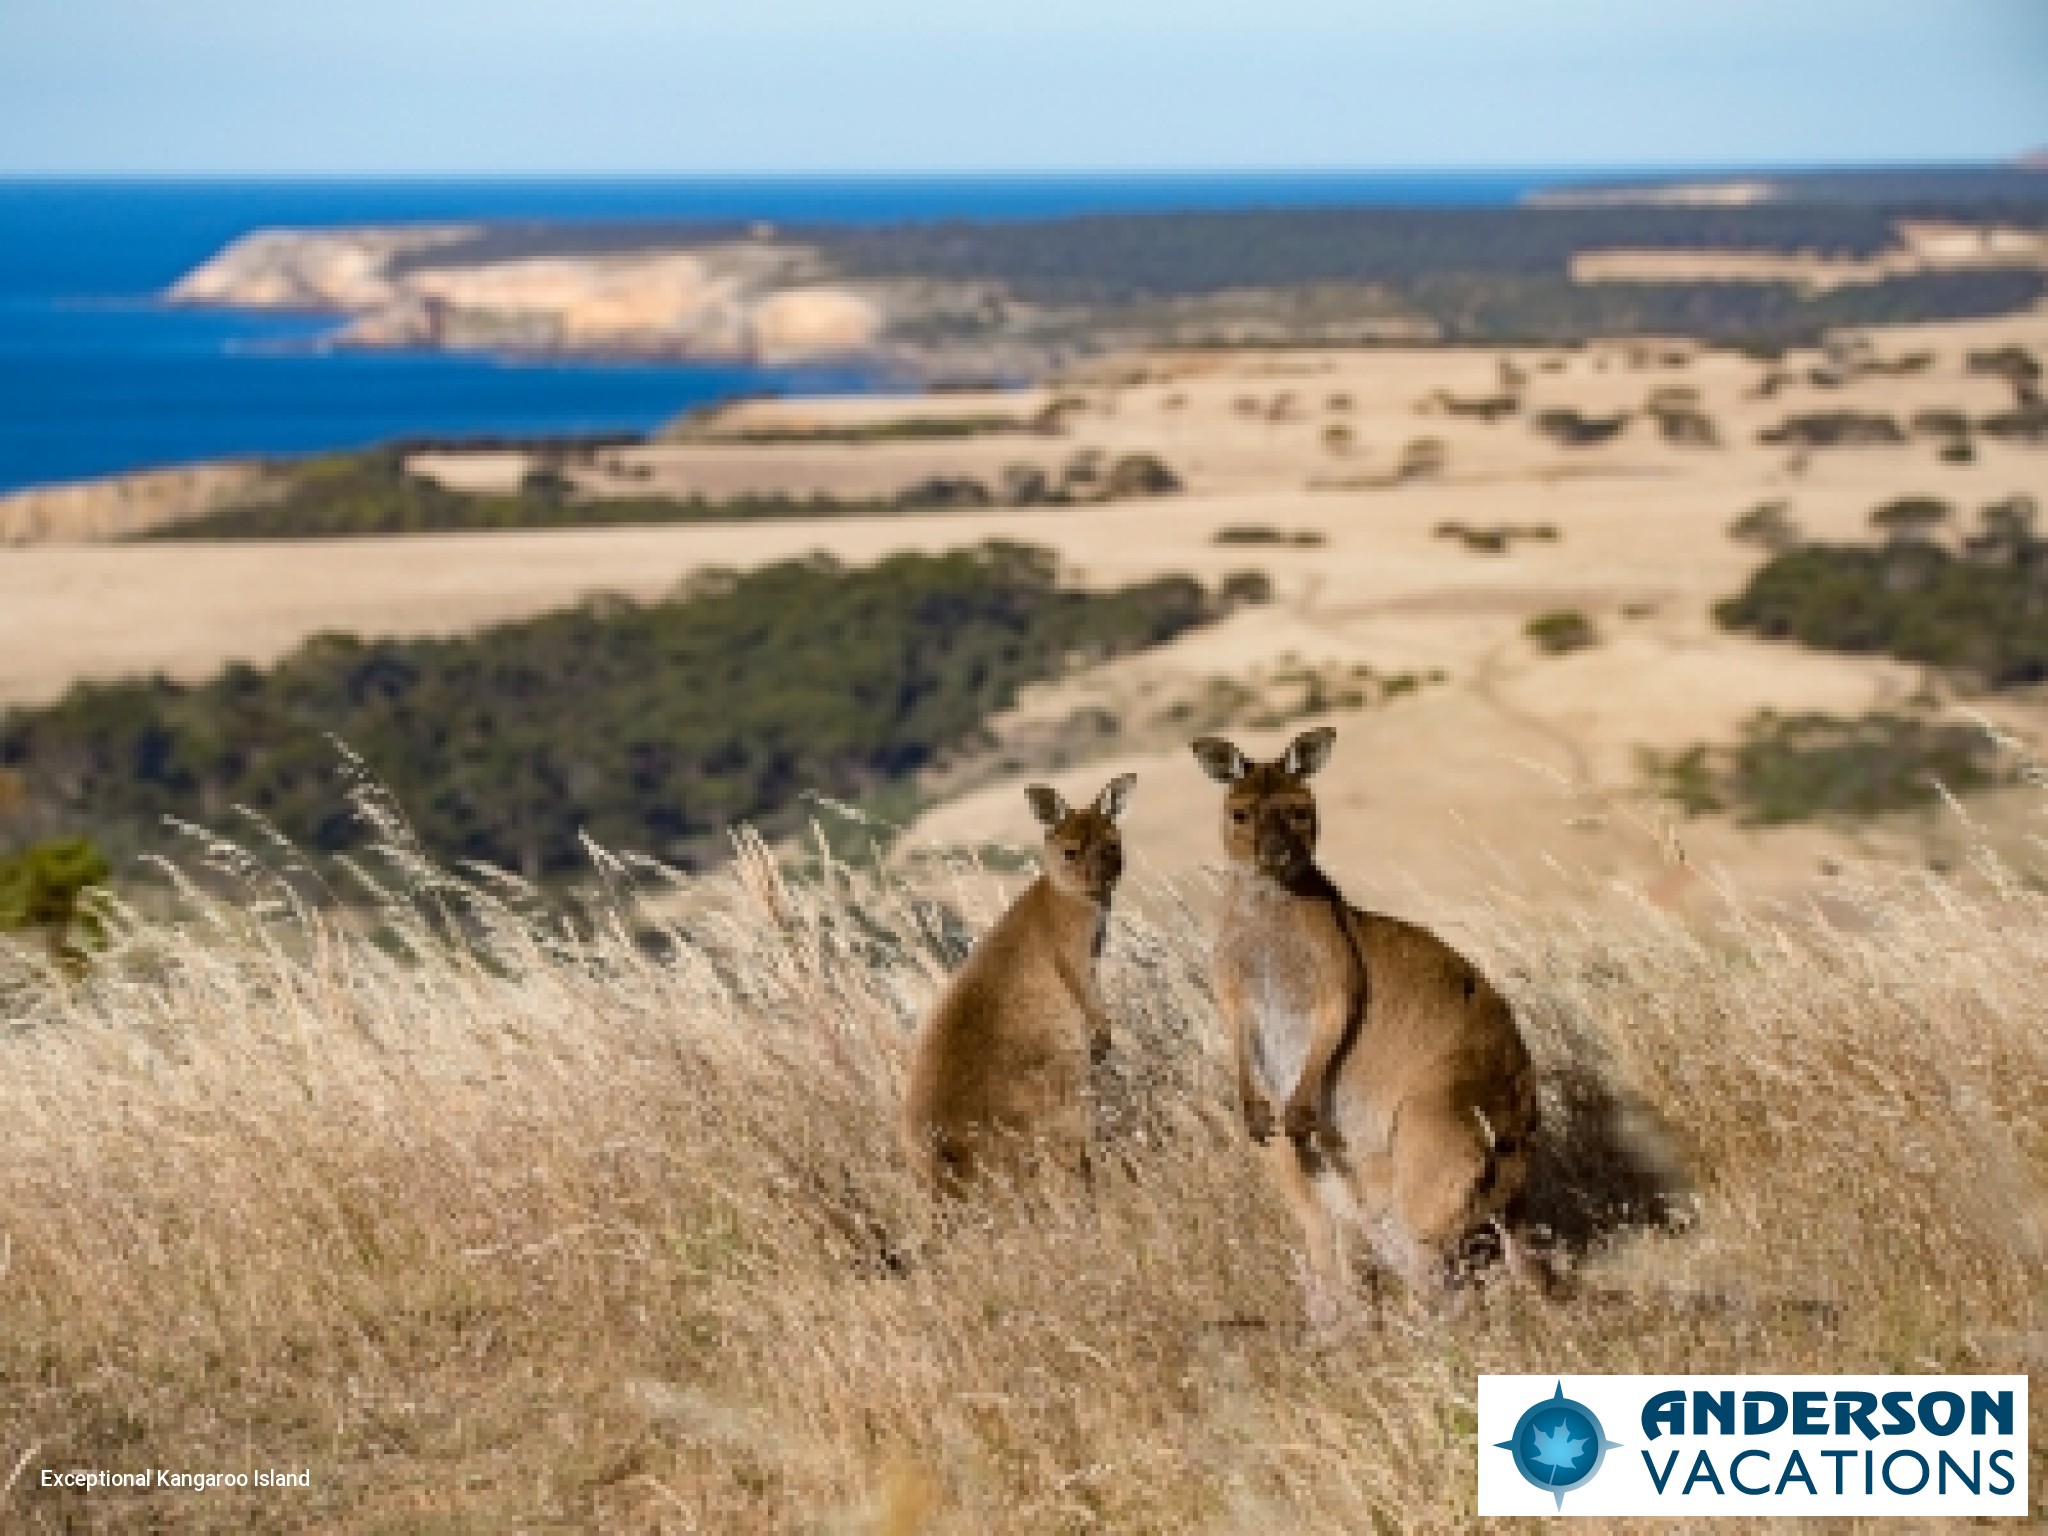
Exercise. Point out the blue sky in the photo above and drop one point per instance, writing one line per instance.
(682, 87)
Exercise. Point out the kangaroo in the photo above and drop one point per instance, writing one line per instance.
(999, 1068)
(1392, 1067)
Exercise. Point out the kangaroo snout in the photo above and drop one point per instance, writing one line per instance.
(1277, 847)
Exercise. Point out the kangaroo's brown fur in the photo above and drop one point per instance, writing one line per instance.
(1000, 1067)
(1394, 1069)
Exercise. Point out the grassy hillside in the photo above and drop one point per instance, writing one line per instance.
(650, 726)
(535, 1235)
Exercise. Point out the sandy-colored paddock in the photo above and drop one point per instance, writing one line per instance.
(1517, 757)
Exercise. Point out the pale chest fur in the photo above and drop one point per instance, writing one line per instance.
(1280, 963)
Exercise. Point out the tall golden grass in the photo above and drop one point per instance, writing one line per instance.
(495, 1221)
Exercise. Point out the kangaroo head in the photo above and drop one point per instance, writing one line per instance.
(1269, 814)
(1084, 851)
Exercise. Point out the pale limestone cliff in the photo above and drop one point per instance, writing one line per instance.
(733, 300)
(343, 270)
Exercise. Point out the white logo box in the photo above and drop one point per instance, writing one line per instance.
(1842, 1484)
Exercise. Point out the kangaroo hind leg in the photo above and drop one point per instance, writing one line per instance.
(1445, 1190)
(1327, 1280)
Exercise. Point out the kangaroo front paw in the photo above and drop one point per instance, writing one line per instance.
(1302, 1120)
(1258, 1119)
(1099, 1046)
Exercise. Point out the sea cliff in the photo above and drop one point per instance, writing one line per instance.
(751, 300)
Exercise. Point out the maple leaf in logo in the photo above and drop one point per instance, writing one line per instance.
(1557, 1449)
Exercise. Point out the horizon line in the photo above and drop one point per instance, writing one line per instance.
(2025, 162)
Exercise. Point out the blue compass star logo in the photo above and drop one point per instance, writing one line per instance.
(1558, 1445)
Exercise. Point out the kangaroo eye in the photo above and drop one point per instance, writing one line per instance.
(1071, 853)
(1240, 815)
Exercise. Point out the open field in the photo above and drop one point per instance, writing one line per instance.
(1531, 756)
(550, 1231)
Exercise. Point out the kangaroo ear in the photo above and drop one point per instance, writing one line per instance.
(1309, 751)
(1220, 760)
(1116, 794)
(1046, 804)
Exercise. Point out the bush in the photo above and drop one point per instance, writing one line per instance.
(1941, 423)
(1767, 524)
(1687, 428)
(1497, 539)
(47, 886)
(1026, 485)
(1247, 588)
(2014, 364)
(1574, 430)
(1791, 768)
(1561, 631)
(1140, 474)
(1987, 616)
(547, 482)
(945, 492)
(1835, 429)
(1486, 408)
(2010, 522)
(2027, 423)
(1423, 458)
(1259, 533)
(1911, 516)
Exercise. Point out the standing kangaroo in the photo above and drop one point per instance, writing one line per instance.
(1394, 1069)
(999, 1070)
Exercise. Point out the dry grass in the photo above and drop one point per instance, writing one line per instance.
(557, 1229)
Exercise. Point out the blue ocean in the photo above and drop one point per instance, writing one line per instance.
(98, 376)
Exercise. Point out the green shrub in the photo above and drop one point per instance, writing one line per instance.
(1911, 516)
(1259, 533)
(1246, 588)
(1561, 631)
(47, 886)
(547, 482)
(1137, 475)
(2014, 364)
(1768, 524)
(1575, 430)
(1497, 539)
(2025, 423)
(1941, 423)
(2008, 527)
(1986, 615)
(1790, 768)
(1835, 429)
